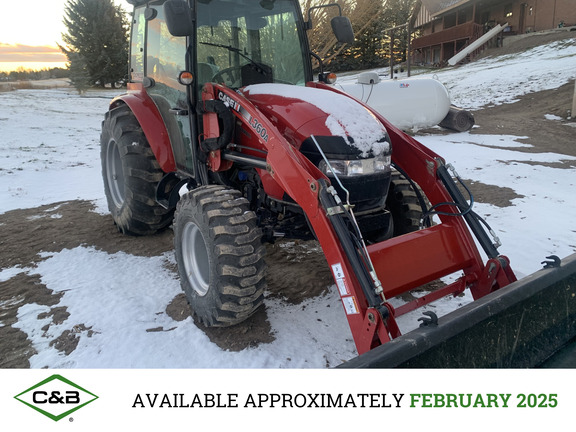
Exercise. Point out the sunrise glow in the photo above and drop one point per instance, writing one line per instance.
(30, 34)
(13, 57)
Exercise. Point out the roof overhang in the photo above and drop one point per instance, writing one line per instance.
(450, 8)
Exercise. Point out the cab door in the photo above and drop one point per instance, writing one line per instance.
(165, 58)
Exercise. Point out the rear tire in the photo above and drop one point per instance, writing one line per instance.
(220, 254)
(403, 203)
(131, 173)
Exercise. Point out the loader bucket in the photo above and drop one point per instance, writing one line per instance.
(518, 326)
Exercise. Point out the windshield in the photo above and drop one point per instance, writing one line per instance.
(245, 42)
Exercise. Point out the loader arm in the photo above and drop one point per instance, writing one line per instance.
(367, 316)
(406, 262)
(401, 263)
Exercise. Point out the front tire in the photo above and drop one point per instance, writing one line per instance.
(220, 254)
(403, 204)
(131, 173)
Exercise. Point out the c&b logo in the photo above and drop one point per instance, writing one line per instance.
(56, 397)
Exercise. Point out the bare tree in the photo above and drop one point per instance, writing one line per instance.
(370, 19)
(362, 14)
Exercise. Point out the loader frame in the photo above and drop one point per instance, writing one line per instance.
(519, 326)
(401, 263)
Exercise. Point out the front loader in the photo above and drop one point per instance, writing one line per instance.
(224, 133)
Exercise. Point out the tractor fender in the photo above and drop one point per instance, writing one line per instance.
(152, 124)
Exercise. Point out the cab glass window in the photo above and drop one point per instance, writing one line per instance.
(137, 46)
(243, 43)
(166, 54)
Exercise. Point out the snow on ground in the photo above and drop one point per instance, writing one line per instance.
(118, 307)
(498, 80)
(538, 224)
(49, 146)
(49, 152)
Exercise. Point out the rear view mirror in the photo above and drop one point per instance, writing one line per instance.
(342, 28)
(179, 18)
(255, 23)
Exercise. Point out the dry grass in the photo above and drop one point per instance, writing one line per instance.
(38, 85)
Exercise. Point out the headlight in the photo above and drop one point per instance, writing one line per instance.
(356, 167)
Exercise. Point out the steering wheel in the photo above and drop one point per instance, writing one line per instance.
(231, 77)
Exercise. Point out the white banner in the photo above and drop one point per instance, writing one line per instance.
(255, 400)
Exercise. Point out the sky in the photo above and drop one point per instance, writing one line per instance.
(30, 32)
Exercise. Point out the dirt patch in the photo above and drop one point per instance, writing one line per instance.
(254, 331)
(528, 118)
(302, 271)
(58, 314)
(68, 340)
(66, 225)
(15, 348)
(24, 234)
(296, 271)
(500, 196)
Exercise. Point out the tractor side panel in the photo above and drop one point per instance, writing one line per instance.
(152, 124)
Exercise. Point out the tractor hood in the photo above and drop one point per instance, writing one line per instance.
(299, 112)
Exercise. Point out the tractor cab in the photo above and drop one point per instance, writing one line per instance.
(204, 65)
(178, 46)
(235, 43)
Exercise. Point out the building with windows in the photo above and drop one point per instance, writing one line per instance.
(447, 26)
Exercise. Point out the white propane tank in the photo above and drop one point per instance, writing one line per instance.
(408, 104)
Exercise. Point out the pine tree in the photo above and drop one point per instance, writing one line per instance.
(98, 37)
(397, 12)
(78, 72)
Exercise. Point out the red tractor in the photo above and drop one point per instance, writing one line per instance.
(224, 133)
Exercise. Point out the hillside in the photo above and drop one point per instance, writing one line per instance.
(528, 116)
(520, 43)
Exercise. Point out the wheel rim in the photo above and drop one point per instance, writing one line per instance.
(195, 257)
(115, 173)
